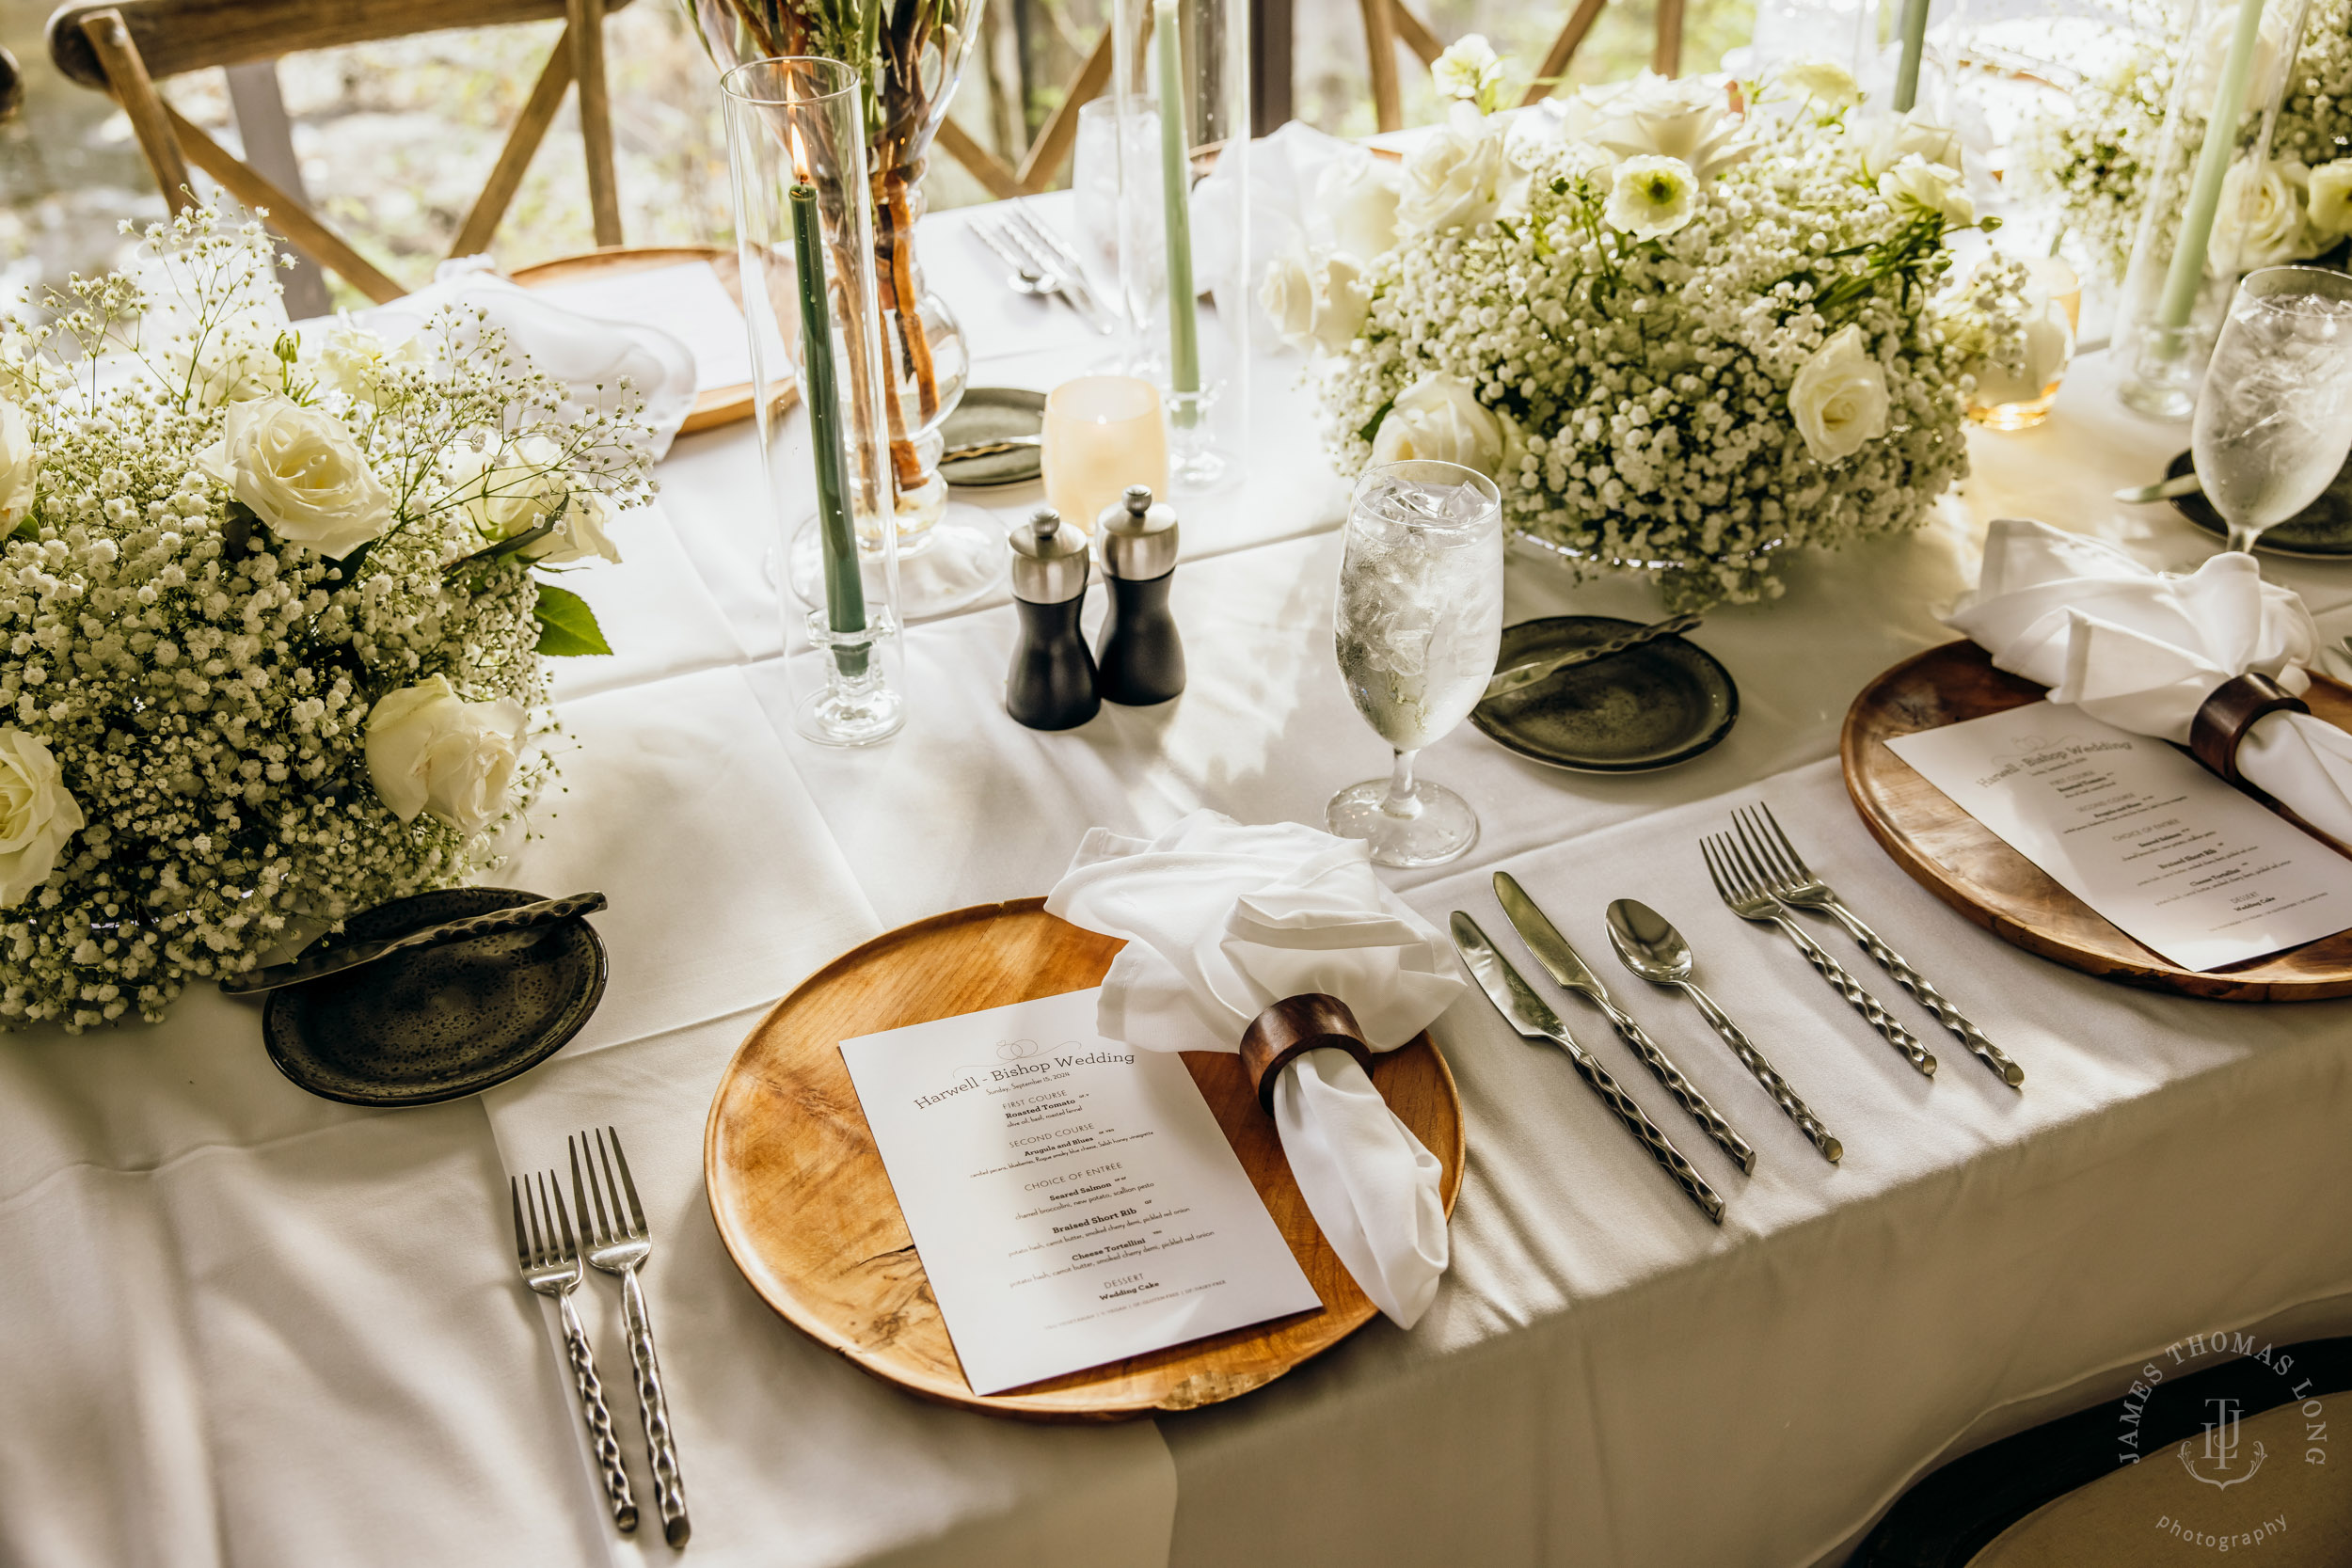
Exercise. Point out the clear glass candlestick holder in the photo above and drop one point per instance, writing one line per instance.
(804, 238)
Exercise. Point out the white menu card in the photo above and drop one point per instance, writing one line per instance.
(1072, 1198)
(2179, 861)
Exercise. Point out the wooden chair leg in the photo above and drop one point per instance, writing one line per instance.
(290, 218)
(1666, 58)
(150, 116)
(1562, 50)
(546, 96)
(1414, 34)
(1060, 134)
(989, 169)
(586, 31)
(1387, 95)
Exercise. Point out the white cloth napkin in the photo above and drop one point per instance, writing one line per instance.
(588, 354)
(1221, 922)
(2142, 650)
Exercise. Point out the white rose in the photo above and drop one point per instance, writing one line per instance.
(512, 490)
(2205, 65)
(1455, 177)
(431, 751)
(1826, 80)
(1440, 417)
(1931, 187)
(352, 360)
(37, 815)
(1651, 197)
(1315, 303)
(1358, 201)
(301, 473)
(1653, 117)
(1881, 142)
(1470, 71)
(2328, 197)
(20, 465)
(580, 533)
(1839, 398)
(2260, 222)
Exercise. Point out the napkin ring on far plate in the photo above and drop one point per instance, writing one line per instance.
(2230, 711)
(1290, 1028)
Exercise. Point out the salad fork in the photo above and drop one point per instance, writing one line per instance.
(1741, 888)
(1792, 882)
(550, 1265)
(618, 1244)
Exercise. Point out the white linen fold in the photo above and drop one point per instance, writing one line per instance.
(1222, 920)
(2142, 650)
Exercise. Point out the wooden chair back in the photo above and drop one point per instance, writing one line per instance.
(1390, 22)
(123, 48)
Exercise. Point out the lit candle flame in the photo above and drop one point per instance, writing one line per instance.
(800, 159)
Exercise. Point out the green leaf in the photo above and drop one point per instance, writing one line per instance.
(567, 627)
(1372, 426)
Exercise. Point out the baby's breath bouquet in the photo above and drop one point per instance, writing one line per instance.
(1684, 340)
(270, 621)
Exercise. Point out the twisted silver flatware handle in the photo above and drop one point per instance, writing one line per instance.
(1926, 995)
(1686, 1095)
(1766, 1074)
(1869, 1007)
(1661, 1148)
(669, 1487)
(599, 1419)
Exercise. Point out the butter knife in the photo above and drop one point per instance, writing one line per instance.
(1562, 963)
(1544, 669)
(1525, 1012)
(2162, 490)
(521, 917)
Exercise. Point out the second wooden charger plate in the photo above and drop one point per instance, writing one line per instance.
(715, 406)
(1961, 860)
(806, 1208)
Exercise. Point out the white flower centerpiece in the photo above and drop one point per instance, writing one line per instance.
(1683, 339)
(270, 621)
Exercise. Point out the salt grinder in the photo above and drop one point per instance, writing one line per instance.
(1143, 659)
(1050, 685)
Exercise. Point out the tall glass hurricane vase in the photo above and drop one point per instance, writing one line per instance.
(2215, 205)
(1180, 80)
(796, 149)
(911, 54)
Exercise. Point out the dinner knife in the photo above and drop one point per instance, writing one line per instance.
(1525, 1012)
(1562, 963)
(1544, 669)
(2162, 490)
(519, 917)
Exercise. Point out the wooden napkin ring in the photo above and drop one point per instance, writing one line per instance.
(1290, 1029)
(2230, 711)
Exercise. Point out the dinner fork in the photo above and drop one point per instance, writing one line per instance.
(1026, 278)
(1741, 889)
(550, 1265)
(1065, 261)
(1792, 882)
(618, 1242)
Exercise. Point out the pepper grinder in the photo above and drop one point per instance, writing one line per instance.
(1143, 659)
(1050, 685)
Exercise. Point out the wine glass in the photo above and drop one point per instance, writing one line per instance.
(2275, 419)
(1419, 627)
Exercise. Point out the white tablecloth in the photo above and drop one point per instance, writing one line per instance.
(241, 1325)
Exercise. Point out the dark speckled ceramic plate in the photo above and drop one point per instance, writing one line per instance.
(993, 413)
(440, 1022)
(2321, 531)
(1651, 706)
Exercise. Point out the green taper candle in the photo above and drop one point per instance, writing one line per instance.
(1915, 29)
(2186, 273)
(845, 590)
(1183, 342)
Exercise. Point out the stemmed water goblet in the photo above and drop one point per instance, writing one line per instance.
(1419, 626)
(2275, 417)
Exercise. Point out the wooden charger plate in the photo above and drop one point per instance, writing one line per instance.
(1962, 862)
(720, 404)
(804, 1206)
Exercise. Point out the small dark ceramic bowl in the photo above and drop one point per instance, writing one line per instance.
(439, 1022)
(1650, 706)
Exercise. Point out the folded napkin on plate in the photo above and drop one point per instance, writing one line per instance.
(589, 355)
(2142, 650)
(1222, 920)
